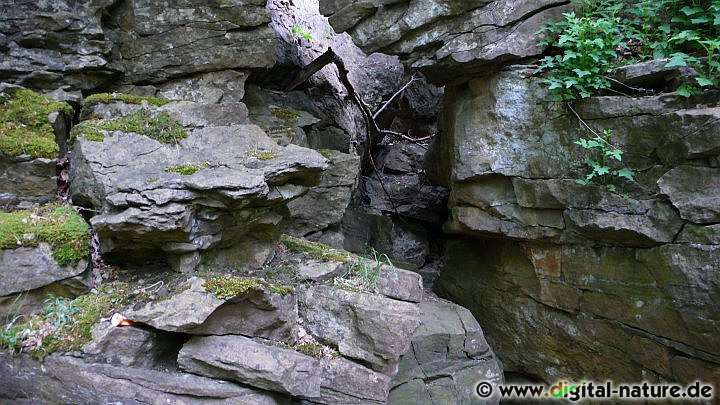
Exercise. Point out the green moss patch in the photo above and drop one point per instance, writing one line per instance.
(107, 98)
(187, 169)
(317, 251)
(161, 127)
(227, 286)
(24, 124)
(60, 226)
(65, 325)
(285, 115)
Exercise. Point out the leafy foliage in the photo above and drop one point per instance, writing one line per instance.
(298, 31)
(610, 34)
(604, 163)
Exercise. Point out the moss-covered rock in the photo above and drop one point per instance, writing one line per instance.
(317, 251)
(59, 226)
(226, 286)
(107, 98)
(187, 169)
(160, 127)
(24, 124)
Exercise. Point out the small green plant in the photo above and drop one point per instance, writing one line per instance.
(160, 127)
(602, 167)
(187, 169)
(65, 324)
(364, 273)
(298, 31)
(589, 46)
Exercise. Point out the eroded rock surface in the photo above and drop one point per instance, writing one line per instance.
(598, 272)
(446, 39)
(227, 207)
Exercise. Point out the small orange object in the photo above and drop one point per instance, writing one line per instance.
(120, 320)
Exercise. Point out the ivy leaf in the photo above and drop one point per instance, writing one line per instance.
(700, 20)
(717, 19)
(685, 90)
(594, 144)
(704, 81)
(626, 173)
(678, 59)
(691, 10)
(615, 154)
(581, 73)
(582, 142)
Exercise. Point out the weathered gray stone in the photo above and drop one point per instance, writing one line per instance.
(159, 42)
(313, 270)
(449, 356)
(333, 194)
(346, 382)
(399, 284)
(446, 39)
(622, 304)
(694, 191)
(243, 360)
(357, 323)
(26, 269)
(46, 45)
(125, 346)
(224, 212)
(652, 74)
(193, 310)
(64, 378)
(25, 181)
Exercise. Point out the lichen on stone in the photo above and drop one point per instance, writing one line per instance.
(228, 286)
(59, 226)
(24, 124)
(187, 169)
(160, 127)
(262, 154)
(107, 98)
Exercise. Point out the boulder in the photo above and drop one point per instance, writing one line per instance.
(73, 380)
(446, 39)
(243, 360)
(449, 357)
(219, 194)
(193, 310)
(357, 323)
(315, 270)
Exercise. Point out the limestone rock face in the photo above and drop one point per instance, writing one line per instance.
(52, 44)
(194, 310)
(25, 181)
(238, 358)
(61, 44)
(160, 41)
(449, 356)
(30, 268)
(625, 278)
(357, 323)
(76, 381)
(446, 39)
(234, 197)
